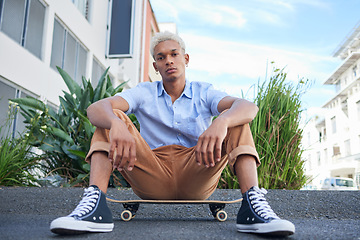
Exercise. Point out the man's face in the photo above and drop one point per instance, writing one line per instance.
(170, 60)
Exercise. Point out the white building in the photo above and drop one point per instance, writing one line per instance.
(83, 37)
(332, 139)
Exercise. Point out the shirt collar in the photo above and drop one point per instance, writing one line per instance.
(160, 88)
(187, 90)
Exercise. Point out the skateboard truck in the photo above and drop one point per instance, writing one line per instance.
(217, 210)
(130, 211)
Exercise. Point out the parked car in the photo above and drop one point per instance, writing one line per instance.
(309, 187)
(339, 183)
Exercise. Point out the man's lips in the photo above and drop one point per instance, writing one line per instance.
(170, 70)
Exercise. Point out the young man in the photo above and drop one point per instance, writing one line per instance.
(180, 153)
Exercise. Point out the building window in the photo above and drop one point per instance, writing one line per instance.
(83, 6)
(355, 70)
(121, 29)
(97, 71)
(358, 109)
(338, 85)
(318, 158)
(333, 124)
(23, 21)
(347, 148)
(68, 53)
(326, 155)
(6, 92)
(16, 124)
(336, 150)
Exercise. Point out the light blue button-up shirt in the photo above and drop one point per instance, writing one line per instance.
(165, 123)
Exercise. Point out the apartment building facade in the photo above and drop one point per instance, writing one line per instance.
(84, 37)
(332, 139)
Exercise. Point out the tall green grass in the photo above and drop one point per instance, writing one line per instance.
(277, 134)
(17, 161)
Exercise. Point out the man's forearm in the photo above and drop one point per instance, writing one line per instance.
(240, 113)
(101, 114)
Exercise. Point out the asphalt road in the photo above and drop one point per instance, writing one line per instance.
(26, 213)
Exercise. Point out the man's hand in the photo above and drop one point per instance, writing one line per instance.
(122, 144)
(208, 147)
(234, 112)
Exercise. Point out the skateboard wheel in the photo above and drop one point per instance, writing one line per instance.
(126, 215)
(221, 216)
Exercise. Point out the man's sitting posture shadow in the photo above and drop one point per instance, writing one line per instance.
(180, 152)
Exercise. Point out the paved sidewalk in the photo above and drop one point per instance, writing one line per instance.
(26, 213)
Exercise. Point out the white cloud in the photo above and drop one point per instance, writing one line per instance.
(292, 5)
(237, 90)
(226, 16)
(246, 60)
(322, 4)
(268, 17)
(235, 67)
(167, 9)
(202, 11)
(232, 13)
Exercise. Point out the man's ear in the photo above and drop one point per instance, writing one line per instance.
(155, 66)
(187, 58)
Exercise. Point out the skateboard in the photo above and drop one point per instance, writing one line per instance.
(131, 206)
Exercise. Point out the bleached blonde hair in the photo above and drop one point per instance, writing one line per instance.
(165, 36)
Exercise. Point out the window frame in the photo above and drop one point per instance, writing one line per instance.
(130, 52)
(25, 26)
(19, 91)
(333, 125)
(78, 44)
(95, 82)
(86, 14)
(354, 70)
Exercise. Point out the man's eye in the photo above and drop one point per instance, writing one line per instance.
(159, 58)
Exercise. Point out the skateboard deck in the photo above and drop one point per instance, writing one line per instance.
(131, 206)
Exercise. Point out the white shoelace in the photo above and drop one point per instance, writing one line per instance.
(87, 203)
(260, 205)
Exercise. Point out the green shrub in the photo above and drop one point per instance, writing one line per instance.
(277, 135)
(17, 161)
(64, 135)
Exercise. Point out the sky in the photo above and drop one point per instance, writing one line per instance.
(232, 43)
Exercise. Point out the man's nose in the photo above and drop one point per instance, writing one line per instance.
(169, 61)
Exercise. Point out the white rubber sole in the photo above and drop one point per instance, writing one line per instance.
(275, 227)
(69, 225)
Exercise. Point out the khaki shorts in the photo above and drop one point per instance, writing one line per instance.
(171, 172)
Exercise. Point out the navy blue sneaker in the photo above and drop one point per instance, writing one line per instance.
(91, 215)
(256, 216)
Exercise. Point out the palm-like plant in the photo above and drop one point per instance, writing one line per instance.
(64, 135)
